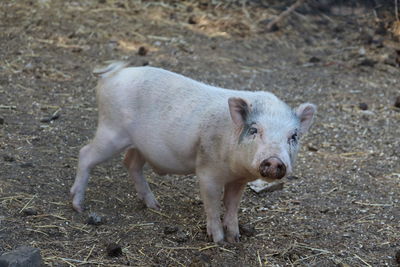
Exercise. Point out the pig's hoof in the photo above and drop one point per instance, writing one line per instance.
(216, 238)
(233, 238)
(152, 204)
(77, 206)
(76, 202)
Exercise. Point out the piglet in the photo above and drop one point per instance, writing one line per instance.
(180, 126)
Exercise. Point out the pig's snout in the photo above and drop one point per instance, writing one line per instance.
(273, 168)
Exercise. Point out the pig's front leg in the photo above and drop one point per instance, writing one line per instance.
(232, 194)
(211, 190)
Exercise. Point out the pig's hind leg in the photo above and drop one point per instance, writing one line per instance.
(106, 143)
(134, 162)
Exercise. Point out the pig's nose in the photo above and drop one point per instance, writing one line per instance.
(273, 168)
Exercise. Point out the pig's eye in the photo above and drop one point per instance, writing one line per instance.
(293, 139)
(252, 130)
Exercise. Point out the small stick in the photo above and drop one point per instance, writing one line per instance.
(90, 253)
(7, 107)
(366, 263)
(396, 9)
(227, 250)
(311, 248)
(159, 213)
(373, 204)
(208, 247)
(259, 259)
(284, 14)
(26, 205)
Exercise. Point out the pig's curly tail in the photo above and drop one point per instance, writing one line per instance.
(110, 68)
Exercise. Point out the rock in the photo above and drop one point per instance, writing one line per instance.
(30, 211)
(260, 186)
(181, 237)
(1, 121)
(21, 257)
(95, 219)
(114, 250)
(397, 257)
(314, 60)
(26, 165)
(247, 230)
(170, 229)
(368, 62)
(142, 51)
(397, 102)
(8, 158)
(363, 106)
(192, 20)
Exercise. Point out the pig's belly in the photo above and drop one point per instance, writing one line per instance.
(168, 164)
(165, 160)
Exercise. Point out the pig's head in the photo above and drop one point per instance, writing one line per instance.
(268, 135)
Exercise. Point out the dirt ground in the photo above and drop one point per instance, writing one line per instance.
(341, 206)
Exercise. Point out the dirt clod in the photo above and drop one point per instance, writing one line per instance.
(1, 121)
(397, 102)
(397, 257)
(247, 230)
(143, 51)
(30, 211)
(8, 158)
(314, 60)
(114, 250)
(170, 230)
(363, 106)
(368, 62)
(95, 219)
(192, 20)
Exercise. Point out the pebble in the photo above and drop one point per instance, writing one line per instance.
(8, 158)
(363, 106)
(397, 102)
(142, 51)
(314, 60)
(30, 211)
(247, 230)
(95, 219)
(192, 20)
(170, 229)
(22, 256)
(398, 257)
(1, 121)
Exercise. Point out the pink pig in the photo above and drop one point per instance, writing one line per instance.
(181, 126)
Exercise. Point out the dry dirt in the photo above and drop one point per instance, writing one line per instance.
(342, 206)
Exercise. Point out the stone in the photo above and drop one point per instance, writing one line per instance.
(21, 257)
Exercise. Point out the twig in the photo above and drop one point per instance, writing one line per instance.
(159, 213)
(208, 247)
(311, 248)
(284, 14)
(396, 10)
(373, 204)
(259, 259)
(366, 263)
(90, 253)
(26, 205)
(7, 107)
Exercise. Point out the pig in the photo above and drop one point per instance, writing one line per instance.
(225, 137)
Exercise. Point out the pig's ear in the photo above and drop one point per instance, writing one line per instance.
(239, 110)
(305, 112)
